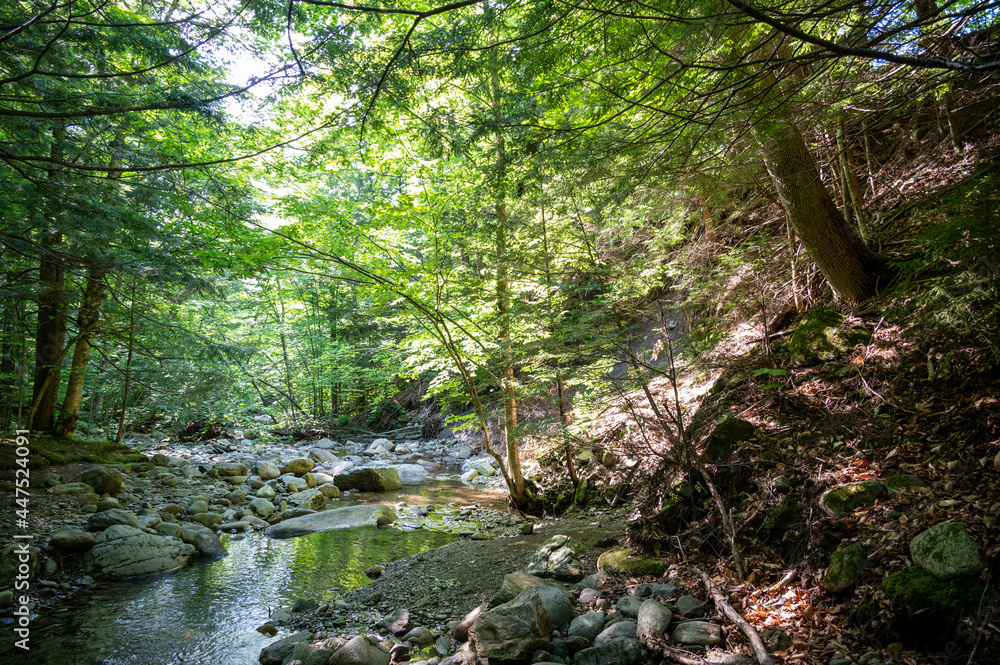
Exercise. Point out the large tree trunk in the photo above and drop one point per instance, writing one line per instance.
(87, 321)
(854, 271)
(50, 337)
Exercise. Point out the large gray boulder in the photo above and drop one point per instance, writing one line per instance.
(102, 479)
(512, 631)
(947, 551)
(124, 551)
(558, 603)
(372, 479)
(516, 582)
(332, 520)
(411, 474)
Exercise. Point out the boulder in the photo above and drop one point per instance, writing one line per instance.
(102, 520)
(231, 469)
(370, 479)
(558, 603)
(70, 489)
(587, 625)
(397, 622)
(820, 335)
(276, 652)
(621, 561)
(728, 433)
(946, 551)
(310, 499)
(461, 632)
(360, 650)
(689, 606)
(323, 456)
(262, 508)
(516, 582)
(620, 629)
(207, 518)
(329, 490)
(842, 500)
(411, 474)
(557, 558)
(265, 492)
(698, 632)
(72, 540)
(654, 618)
(513, 630)
(298, 467)
(267, 470)
(124, 551)
(293, 483)
(204, 540)
(845, 568)
(306, 653)
(102, 479)
(619, 651)
(332, 520)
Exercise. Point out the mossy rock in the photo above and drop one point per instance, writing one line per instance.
(845, 568)
(899, 482)
(843, 500)
(819, 336)
(729, 432)
(919, 590)
(947, 550)
(624, 562)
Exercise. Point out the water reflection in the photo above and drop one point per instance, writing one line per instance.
(208, 612)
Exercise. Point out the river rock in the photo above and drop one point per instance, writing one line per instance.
(262, 507)
(360, 650)
(842, 500)
(461, 632)
(370, 479)
(102, 479)
(557, 558)
(265, 492)
(197, 506)
(207, 518)
(106, 503)
(698, 632)
(689, 606)
(516, 582)
(299, 466)
(267, 470)
(587, 625)
(329, 490)
(230, 469)
(236, 497)
(276, 652)
(619, 651)
(306, 653)
(293, 483)
(332, 520)
(629, 606)
(654, 618)
(102, 520)
(70, 489)
(397, 622)
(845, 568)
(204, 540)
(411, 474)
(622, 562)
(513, 630)
(558, 603)
(10, 563)
(310, 499)
(124, 551)
(620, 629)
(947, 551)
(323, 456)
(72, 540)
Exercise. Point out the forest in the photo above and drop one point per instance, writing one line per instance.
(582, 235)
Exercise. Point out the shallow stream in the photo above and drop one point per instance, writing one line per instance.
(207, 613)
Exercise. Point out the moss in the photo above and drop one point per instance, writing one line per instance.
(727, 434)
(918, 589)
(622, 561)
(818, 336)
(842, 500)
(784, 516)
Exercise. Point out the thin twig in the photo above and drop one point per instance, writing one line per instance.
(756, 644)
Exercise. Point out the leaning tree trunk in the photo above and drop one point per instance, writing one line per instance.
(854, 271)
(87, 321)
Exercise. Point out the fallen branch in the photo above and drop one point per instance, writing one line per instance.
(756, 644)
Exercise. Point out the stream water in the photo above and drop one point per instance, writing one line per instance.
(207, 613)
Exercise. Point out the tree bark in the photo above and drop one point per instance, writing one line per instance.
(854, 271)
(87, 324)
(50, 336)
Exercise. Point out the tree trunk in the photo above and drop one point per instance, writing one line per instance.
(854, 271)
(87, 323)
(50, 336)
